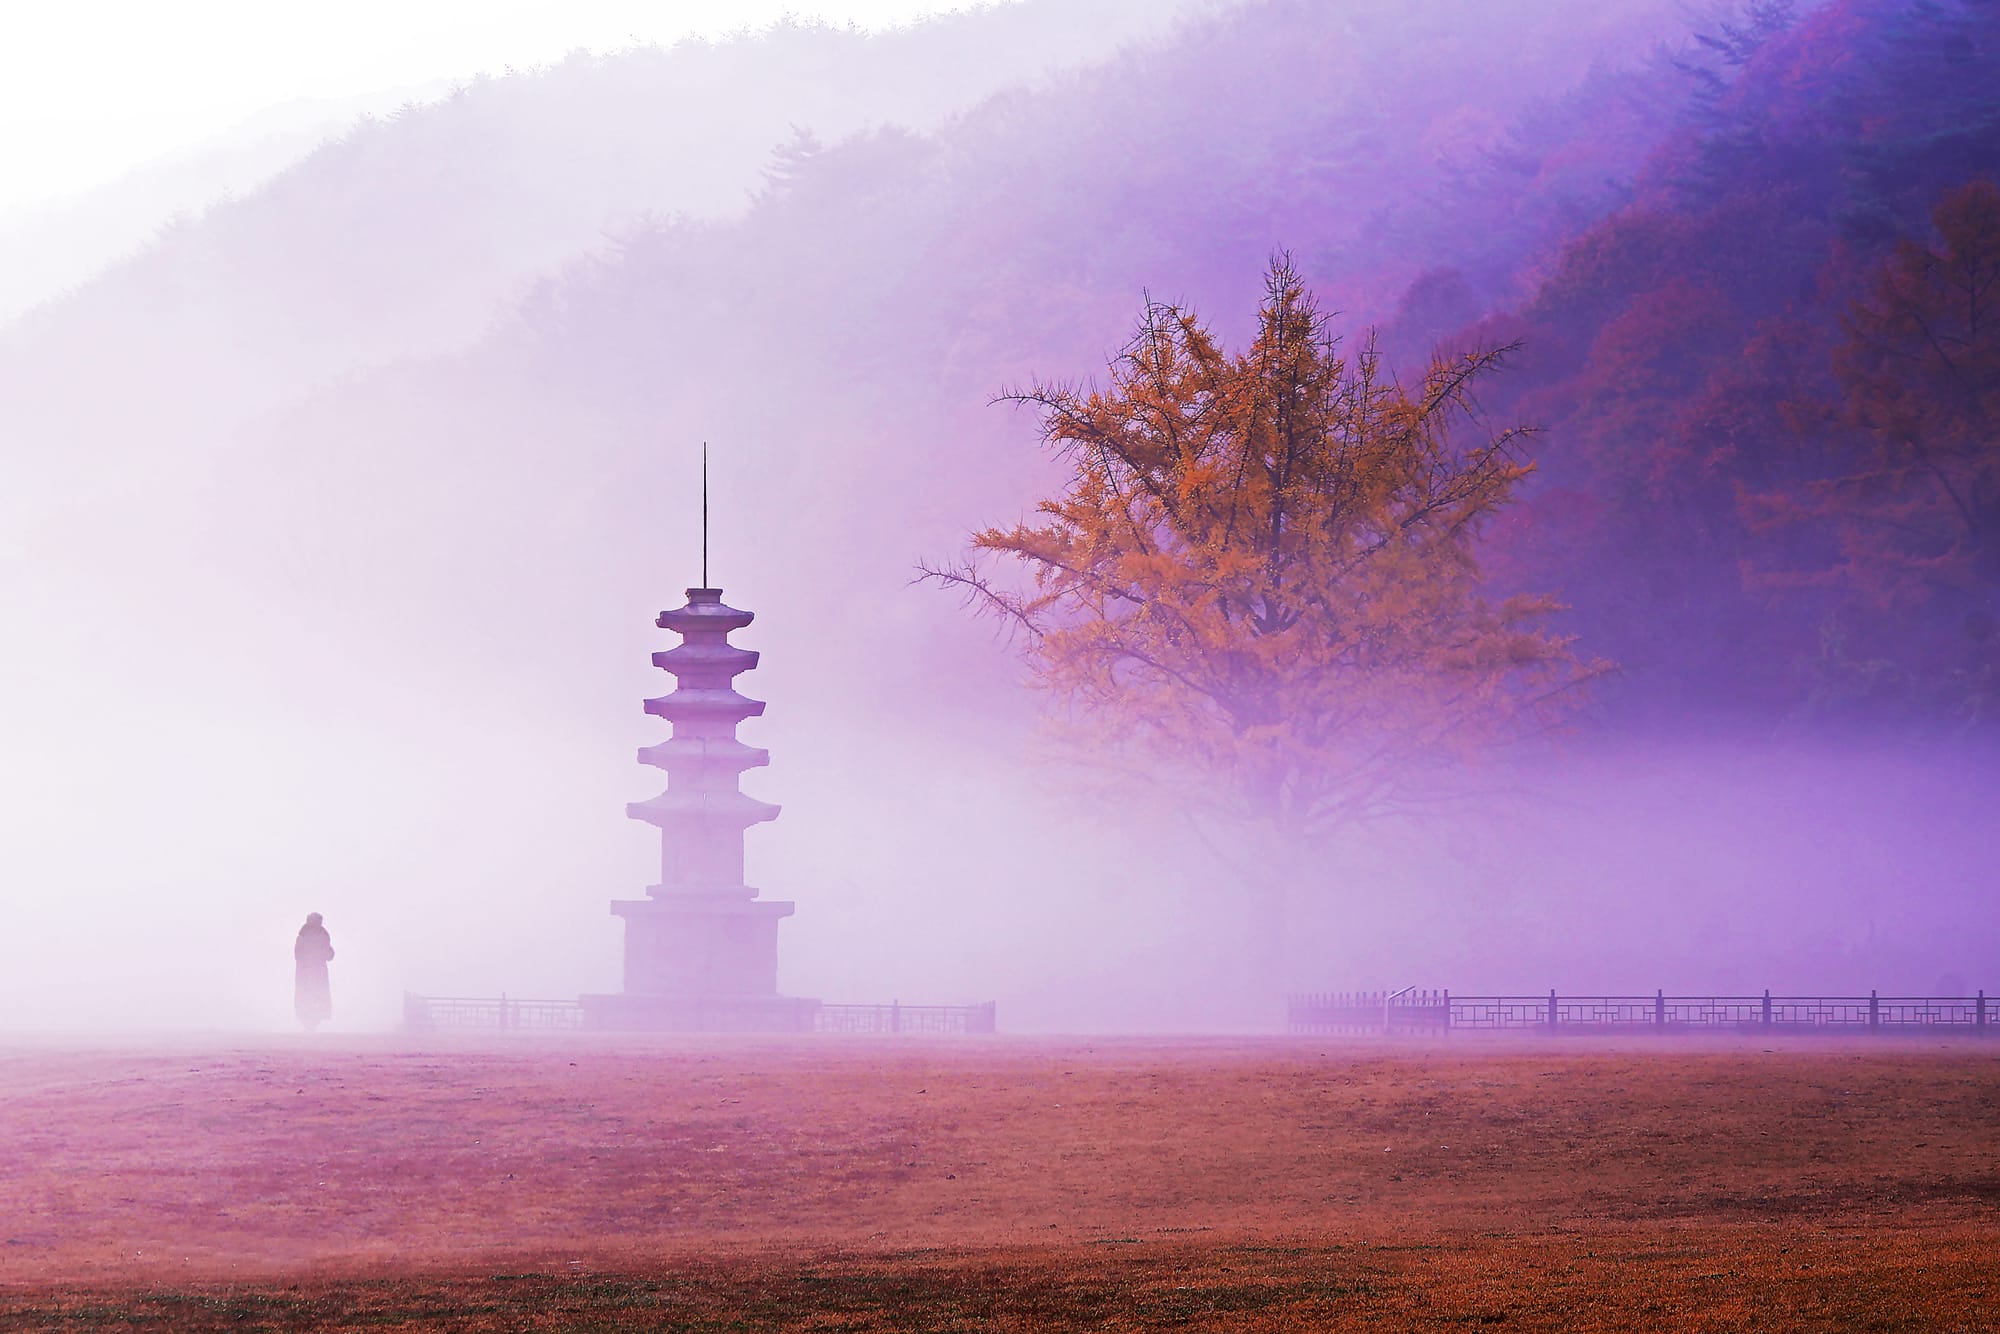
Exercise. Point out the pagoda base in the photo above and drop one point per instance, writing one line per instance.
(639, 1012)
(701, 945)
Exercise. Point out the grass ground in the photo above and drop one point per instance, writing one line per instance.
(864, 1185)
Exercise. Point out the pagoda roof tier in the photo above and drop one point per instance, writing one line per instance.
(698, 703)
(722, 752)
(725, 659)
(704, 614)
(727, 807)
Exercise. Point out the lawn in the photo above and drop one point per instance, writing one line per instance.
(1006, 1184)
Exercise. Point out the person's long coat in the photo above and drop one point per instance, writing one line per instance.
(312, 996)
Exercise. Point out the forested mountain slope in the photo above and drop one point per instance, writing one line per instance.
(1769, 481)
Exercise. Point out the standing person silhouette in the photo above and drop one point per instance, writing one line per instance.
(312, 998)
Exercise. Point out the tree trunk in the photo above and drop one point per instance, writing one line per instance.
(1269, 902)
(1264, 881)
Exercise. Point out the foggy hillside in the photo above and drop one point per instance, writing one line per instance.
(56, 246)
(408, 232)
(351, 505)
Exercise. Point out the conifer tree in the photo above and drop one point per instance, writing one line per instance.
(1262, 580)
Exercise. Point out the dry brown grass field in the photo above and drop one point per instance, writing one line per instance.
(1000, 1184)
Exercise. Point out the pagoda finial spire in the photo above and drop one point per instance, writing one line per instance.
(704, 514)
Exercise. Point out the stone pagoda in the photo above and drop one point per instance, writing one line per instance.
(701, 950)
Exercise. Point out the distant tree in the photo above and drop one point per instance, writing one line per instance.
(1262, 579)
(1719, 56)
(791, 160)
(1920, 371)
(1730, 126)
(1913, 510)
(1925, 108)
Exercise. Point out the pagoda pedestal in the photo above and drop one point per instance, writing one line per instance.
(701, 950)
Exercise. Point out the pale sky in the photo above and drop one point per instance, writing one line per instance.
(90, 89)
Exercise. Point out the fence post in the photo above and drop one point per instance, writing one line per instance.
(895, 1015)
(1979, 1013)
(1660, 1010)
(1447, 1010)
(503, 1010)
(1552, 1009)
(1874, 1009)
(1767, 1007)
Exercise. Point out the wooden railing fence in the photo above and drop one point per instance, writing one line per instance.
(428, 1014)
(899, 1018)
(1412, 1011)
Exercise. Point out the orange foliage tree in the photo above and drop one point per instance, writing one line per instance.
(1262, 578)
